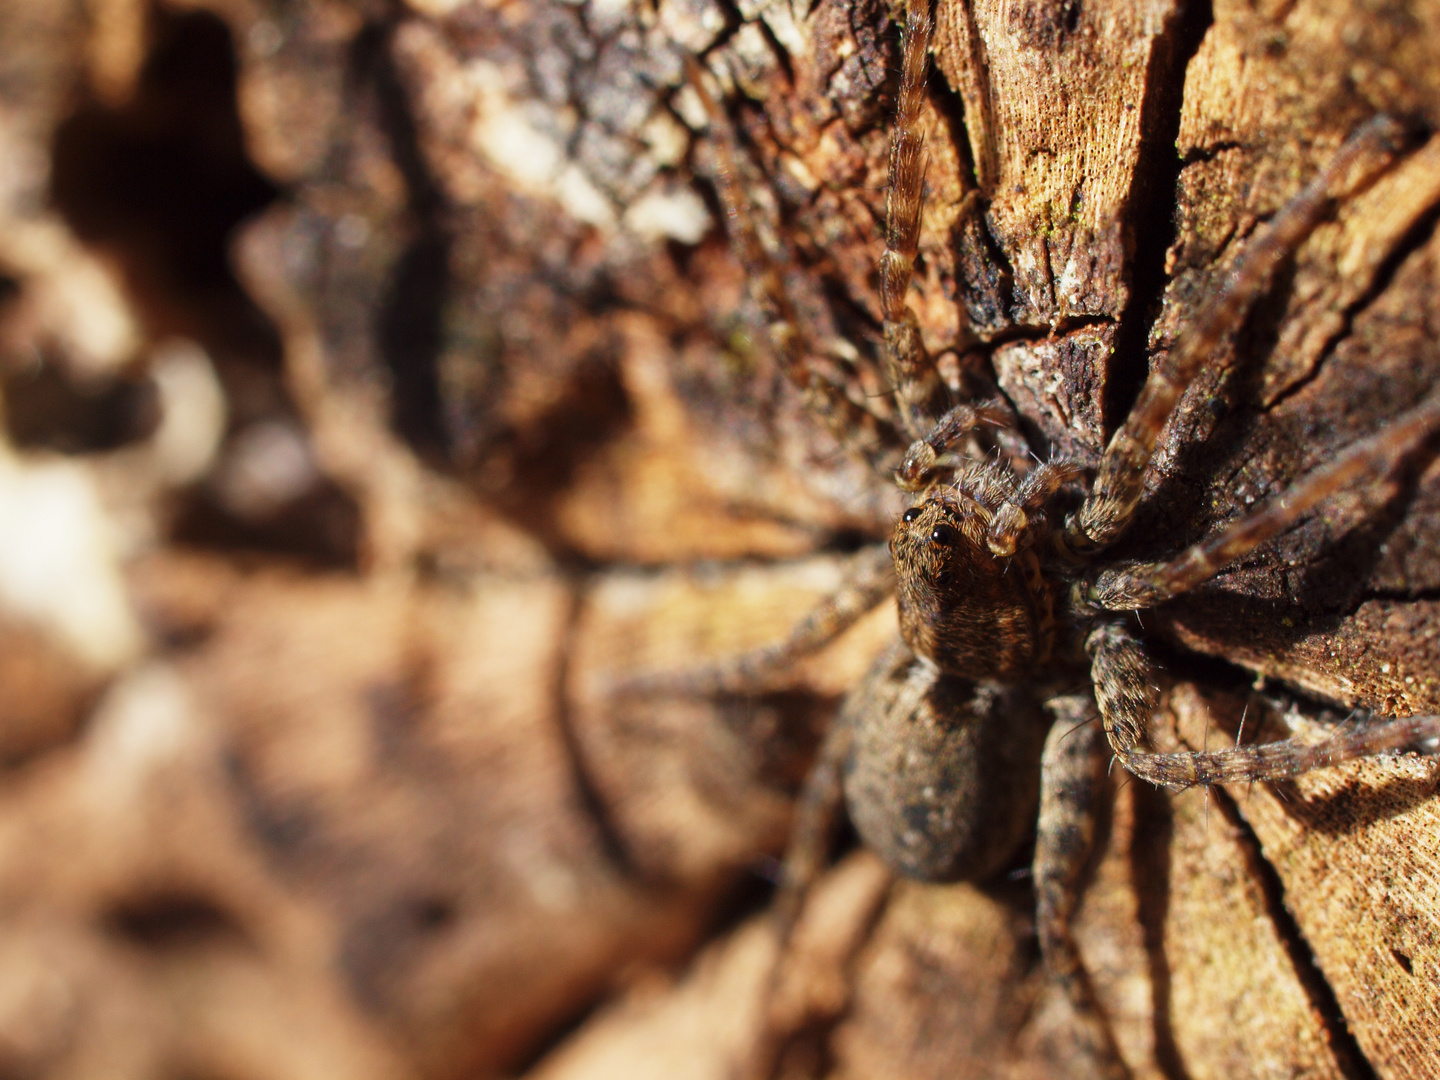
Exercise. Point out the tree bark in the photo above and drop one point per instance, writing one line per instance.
(516, 342)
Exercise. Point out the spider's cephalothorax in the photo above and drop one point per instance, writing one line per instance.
(972, 612)
(944, 754)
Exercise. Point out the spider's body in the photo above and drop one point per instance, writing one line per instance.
(945, 753)
(971, 612)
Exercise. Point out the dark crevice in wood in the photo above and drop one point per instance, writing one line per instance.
(1349, 1058)
(175, 918)
(1204, 154)
(160, 183)
(1416, 596)
(1150, 212)
(999, 260)
(735, 21)
(951, 107)
(1150, 867)
(985, 170)
(1046, 331)
(782, 56)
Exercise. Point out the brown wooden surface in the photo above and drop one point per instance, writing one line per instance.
(330, 779)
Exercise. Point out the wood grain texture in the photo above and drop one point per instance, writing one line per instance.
(385, 815)
(1370, 924)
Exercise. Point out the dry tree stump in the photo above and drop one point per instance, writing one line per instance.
(515, 338)
(1121, 154)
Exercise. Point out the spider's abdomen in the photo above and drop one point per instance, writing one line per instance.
(970, 612)
(943, 773)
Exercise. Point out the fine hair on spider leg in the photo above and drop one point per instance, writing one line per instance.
(1119, 481)
(1005, 603)
(844, 409)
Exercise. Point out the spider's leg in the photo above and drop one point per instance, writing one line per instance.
(930, 457)
(854, 425)
(784, 1014)
(816, 812)
(869, 580)
(1019, 521)
(906, 364)
(1123, 677)
(1072, 780)
(1126, 588)
(1120, 478)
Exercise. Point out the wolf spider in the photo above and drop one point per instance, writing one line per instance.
(937, 755)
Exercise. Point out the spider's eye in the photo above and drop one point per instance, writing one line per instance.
(944, 535)
(910, 515)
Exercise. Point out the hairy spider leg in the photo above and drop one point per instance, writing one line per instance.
(848, 416)
(1125, 690)
(1126, 588)
(1120, 479)
(930, 458)
(907, 365)
(868, 581)
(1123, 674)
(1072, 783)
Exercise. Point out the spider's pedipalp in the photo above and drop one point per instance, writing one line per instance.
(930, 457)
